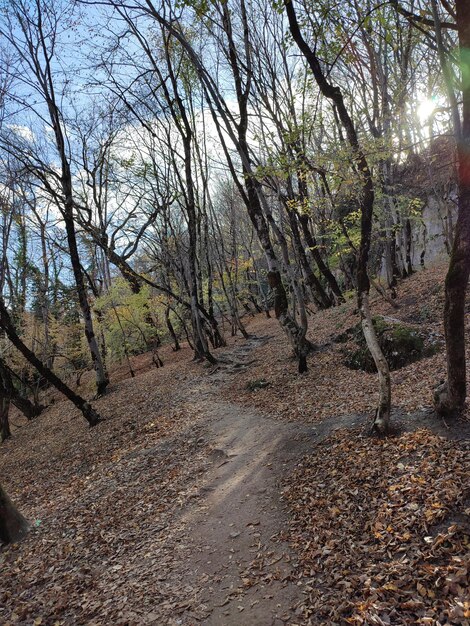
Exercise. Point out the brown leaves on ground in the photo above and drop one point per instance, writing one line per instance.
(378, 525)
(380, 529)
(102, 502)
(329, 388)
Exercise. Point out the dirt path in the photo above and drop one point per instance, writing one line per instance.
(231, 530)
(237, 569)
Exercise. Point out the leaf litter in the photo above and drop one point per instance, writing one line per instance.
(378, 528)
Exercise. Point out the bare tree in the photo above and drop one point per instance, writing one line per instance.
(8, 328)
(32, 29)
(332, 92)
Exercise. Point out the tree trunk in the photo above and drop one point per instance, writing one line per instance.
(310, 277)
(295, 333)
(48, 357)
(393, 272)
(29, 409)
(333, 93)
(408, 243)
(324, 269)
(136, 281)
(382, 415)
(450, 399)
(8, 389)
(5, 432)
(182, 122)
(45, 77)
(102, 379)
(171, 330)
(13, 525)
(5, 395)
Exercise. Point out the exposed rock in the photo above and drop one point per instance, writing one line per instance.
(400, 344)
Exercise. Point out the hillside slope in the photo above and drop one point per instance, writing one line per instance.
(245, 493)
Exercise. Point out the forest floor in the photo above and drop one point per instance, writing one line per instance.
(245, 494)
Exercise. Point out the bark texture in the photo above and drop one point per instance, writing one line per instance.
(5, 432)
(8, 389)
(13, 526)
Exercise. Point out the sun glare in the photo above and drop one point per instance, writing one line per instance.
(425, 109)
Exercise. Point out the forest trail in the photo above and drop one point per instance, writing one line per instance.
(235, 564)
(171, 514)
(230, 531)
(234, 561)
(220, 495)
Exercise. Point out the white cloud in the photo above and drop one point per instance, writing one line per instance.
(22, 131)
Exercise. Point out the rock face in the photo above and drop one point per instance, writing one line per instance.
(425, 198)
(431, 230)
(432, 235)
(400, 344)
